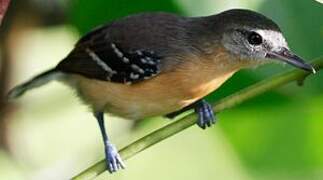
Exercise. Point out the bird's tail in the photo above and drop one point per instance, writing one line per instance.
(35, 82)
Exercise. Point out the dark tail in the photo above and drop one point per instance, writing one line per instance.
(35, 82)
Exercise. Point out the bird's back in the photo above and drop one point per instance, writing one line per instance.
(151, 31)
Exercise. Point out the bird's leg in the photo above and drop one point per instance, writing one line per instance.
(112, 157)
(205, 113)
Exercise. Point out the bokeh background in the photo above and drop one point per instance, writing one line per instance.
(48, 134)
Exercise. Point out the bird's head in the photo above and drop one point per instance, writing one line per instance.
(250, 35)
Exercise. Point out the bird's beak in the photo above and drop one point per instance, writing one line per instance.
(287, 56)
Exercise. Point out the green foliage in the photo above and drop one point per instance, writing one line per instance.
(85, 14)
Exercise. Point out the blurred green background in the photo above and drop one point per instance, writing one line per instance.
(48, 134)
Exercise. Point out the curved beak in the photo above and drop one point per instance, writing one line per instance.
(287, 56)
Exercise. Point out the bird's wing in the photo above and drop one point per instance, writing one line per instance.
(97, 56)
(131, 49)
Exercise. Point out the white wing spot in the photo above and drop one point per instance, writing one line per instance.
(151, 62)
(144, 61)
(139, 53)
(101, 63)
(125, 60)
(116, 50)
(134, 76)
(137, 68)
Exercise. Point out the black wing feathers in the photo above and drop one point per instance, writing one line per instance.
(94, 56)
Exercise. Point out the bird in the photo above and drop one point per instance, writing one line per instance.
(160, 64)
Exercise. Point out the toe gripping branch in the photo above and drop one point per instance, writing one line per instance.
(206, 117)
(112, 157)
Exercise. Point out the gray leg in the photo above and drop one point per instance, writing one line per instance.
(112, 157)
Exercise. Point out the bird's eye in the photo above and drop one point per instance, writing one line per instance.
(254, 38)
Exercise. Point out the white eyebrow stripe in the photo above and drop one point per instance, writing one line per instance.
(99, 61)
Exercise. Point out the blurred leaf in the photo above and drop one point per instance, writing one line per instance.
(298, 22)
(85, 15)
(269, 138)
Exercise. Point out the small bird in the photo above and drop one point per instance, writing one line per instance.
(155, 64)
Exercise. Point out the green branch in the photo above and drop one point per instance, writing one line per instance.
(189, 120)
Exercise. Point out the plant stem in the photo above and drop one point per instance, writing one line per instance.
(189, 120)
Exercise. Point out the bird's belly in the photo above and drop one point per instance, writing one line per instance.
(158, 96)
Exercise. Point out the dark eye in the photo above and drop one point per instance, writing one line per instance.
(254, 38)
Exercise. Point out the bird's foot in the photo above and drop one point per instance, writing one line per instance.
(205, 113)
(113, 159)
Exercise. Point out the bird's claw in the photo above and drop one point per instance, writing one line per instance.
(113, 159)
(205, 113)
